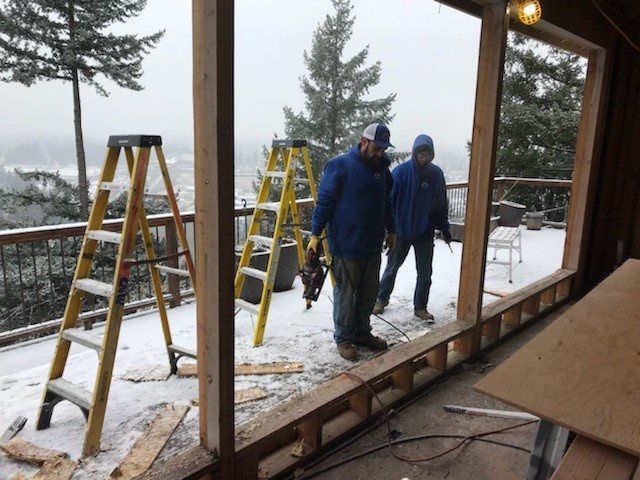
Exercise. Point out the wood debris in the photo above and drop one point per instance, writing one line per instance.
(191, 369)
(298, 449)
(147, 447)
(18, 476)
(21, 449)
(146, 373)
(495, 293)
(59, 468)
(243, 395)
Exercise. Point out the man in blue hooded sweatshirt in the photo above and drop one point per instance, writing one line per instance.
(354, 201)
(420, 203)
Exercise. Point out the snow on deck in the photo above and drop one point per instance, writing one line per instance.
(292, 334)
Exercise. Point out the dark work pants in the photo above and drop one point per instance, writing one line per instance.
(424, 260)
(354, 296)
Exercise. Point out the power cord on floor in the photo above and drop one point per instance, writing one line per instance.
(386, 415)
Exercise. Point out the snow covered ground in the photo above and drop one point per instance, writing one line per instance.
(292, 334)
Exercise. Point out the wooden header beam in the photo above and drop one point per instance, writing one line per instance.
(213, 44)
(493, 39)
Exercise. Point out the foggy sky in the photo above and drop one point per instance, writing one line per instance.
(428, 54)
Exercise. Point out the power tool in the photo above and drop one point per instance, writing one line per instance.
(313, 273)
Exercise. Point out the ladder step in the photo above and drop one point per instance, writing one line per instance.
(305, 233)
(123, 187)
(255, 273)
(302, 180)
(275, 174)
(94, 286)
(83, 337)
(174, 271)
(260, 240)
(270, 206)
(186, 352)
(244, 305)
(104, 236)
(70, 391)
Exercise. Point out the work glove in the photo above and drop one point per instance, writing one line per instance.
(391, 241)
(446, 236)
(313, 243)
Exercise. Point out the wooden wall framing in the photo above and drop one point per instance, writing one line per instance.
(331, 412)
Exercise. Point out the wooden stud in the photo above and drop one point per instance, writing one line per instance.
(532, 305)
(437, 358)
(513, 316)
(172, 249)
(465, 343)
(213, 45)
(247, 466)
(493, 38)
(491, 328)
(311, 432)
(402, 377)
(564, 287)
(584, 165)
(361, 403)
(548, 297)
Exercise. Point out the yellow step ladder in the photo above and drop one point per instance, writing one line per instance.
(93, 404)
(291, 156)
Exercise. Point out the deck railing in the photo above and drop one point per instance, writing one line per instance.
(37, 264)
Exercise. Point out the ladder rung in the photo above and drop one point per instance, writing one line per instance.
(306, 233)
(244, 305)
(72, 392)
(302, 180)
(104, 236)
(187, 352)
(255, 273)
(305, 200)
(94, 286)
(260, 240)
(83, 337)
(123, 187)
(113, 186)
(174, 271)
(271, 206)
(275, 174)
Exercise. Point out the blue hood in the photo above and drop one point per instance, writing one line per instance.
(419, 197)
(420, 141)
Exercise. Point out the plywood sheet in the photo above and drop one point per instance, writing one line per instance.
(147, 447)
(589, 460)
(583, 371)
(146, 373)
(244, 395)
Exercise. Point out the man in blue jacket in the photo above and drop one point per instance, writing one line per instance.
(354, 201)
(420, 205)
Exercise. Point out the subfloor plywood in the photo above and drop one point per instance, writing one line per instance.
(583, 371)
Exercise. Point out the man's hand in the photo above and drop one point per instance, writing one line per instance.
(391, 241)
(446, 236)
(313, 243)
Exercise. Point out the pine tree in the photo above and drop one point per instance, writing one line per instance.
(539, 117)
(70, 40)
(335, 89)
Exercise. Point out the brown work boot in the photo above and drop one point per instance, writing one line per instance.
(371, 342)
(347, 350)
(424, 314)
(378, 308)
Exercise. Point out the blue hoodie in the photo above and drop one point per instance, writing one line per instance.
(354, 200)
(419, 197)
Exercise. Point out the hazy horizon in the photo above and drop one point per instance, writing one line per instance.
(431, 67)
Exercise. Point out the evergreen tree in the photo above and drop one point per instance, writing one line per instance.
(70, 40)
(335, 90)
(539, 117)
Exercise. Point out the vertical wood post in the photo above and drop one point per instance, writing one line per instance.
(213, 39)
(591, 119)
(493, 38)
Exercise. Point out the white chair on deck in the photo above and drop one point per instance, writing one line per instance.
(504, 238)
